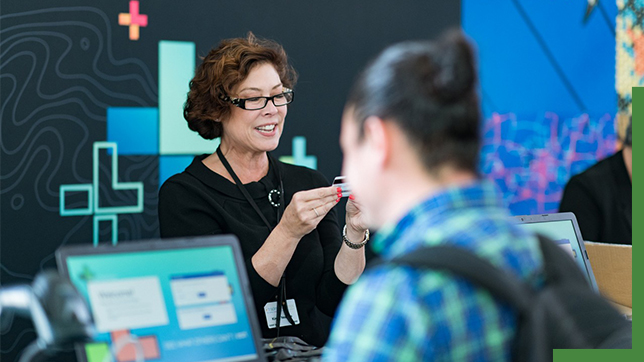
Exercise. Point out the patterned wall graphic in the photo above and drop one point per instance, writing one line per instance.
(532, 159)
(91, 108)
(58, 76)
(629, 70)
(547, 73)
(54, 108)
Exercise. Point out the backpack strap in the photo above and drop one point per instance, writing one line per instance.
(582, 317)
(476, 270)
(564, 313)
(500, 284)
(557, 264)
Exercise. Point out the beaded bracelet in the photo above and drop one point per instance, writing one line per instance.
(354, 245)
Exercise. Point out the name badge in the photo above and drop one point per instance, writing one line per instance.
(270, 309)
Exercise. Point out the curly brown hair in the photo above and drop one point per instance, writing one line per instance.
(220, 71)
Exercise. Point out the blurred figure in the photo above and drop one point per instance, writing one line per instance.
(602, 197)
(411, 139)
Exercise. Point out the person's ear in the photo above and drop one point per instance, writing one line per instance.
(377, 139)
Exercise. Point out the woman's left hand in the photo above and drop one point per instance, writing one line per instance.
(350, 262)
(354, 216)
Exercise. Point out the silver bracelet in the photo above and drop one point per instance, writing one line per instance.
(354, 245)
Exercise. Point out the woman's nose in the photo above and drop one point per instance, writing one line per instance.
(270, 108)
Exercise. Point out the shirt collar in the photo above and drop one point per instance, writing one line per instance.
(257, 189)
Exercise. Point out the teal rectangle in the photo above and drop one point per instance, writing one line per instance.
(176, 69)
(87, 210)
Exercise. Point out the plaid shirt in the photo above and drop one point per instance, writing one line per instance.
(397, 313)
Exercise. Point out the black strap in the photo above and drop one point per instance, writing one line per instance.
(243, 190)
(564, 313)
(281, 303)
(483, 274)
(280, 210)
(505, 286)
(476, 270)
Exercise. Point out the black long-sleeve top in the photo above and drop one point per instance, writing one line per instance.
(199, 201)
(602, 200)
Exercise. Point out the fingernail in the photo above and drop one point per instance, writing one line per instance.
(352, 197)
(338, 199)
(339, 190)
(339, 194)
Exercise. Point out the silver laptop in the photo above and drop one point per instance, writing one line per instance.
(564, 230)
(175, 300)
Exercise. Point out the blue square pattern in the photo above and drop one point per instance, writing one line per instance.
(135, 130)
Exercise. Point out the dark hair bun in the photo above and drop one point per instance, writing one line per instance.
(455, 75)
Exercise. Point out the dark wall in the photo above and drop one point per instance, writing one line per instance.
(64, 63)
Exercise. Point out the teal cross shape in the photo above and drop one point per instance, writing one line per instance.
(102, 213)
(300, 157)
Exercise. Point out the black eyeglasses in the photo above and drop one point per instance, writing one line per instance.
(255, 103)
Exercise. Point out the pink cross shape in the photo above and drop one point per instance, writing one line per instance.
(133, 19)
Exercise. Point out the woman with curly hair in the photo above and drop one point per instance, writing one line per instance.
(283, 215)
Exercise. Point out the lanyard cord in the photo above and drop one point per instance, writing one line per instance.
(243, 190)
(282, 285)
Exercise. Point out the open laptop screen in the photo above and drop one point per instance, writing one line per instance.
(562, 229)
(182, 300)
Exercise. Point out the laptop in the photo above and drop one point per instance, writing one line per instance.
(564, 230)
(175, 300)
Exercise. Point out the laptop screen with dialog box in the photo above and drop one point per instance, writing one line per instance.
(184, 299)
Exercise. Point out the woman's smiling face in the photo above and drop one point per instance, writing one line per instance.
(256, 130)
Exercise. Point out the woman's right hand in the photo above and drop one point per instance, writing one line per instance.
(307, 209)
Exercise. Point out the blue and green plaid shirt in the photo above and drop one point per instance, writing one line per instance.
(397, 313)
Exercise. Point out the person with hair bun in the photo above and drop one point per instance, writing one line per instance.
(283, 215)
(410, 138)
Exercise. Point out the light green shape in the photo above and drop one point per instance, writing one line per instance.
(176, 69)
(115, 226)
(116, 185)
(96, 352)
(76, 188)
(299, 155)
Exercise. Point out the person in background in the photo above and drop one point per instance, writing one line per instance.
(602, 197)
(283, 214)
(411, 137)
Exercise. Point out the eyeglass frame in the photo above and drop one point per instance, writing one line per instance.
(241, 102)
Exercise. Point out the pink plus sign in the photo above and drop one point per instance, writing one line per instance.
(133, 19)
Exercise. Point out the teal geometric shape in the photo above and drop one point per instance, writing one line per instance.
(117, 186)
(109, 217)
(76, 188)
(176, 69)
(103, 213)
(299, 155)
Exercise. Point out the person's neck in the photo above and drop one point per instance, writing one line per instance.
(410, 189)
(627, 152)
(248, 166)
